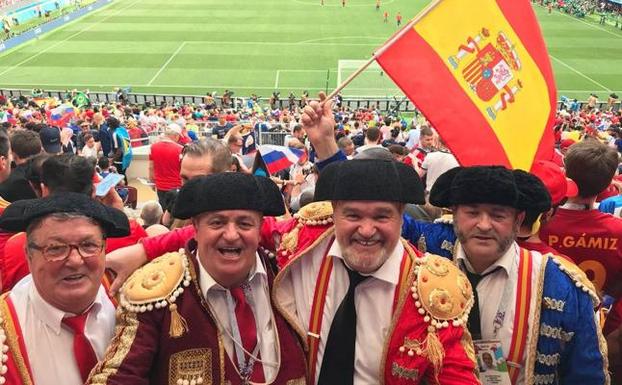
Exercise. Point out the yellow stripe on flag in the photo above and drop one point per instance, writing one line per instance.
(494, 63)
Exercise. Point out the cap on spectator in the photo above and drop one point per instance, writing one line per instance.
(18, 215)
(228, 191)
(50, 139)
(370, 180)
(555, 181)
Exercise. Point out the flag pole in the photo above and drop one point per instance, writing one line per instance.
(389, 43)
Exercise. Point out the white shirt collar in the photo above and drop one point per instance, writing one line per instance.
(52, 316)
(388, 272)
(207, 282)
(505, 262)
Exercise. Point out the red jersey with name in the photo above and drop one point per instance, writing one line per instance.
(593, 240)
(541, 248)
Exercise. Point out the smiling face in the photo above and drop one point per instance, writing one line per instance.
(486, 231)
(227, 244)
(367, 232)
(70, 285)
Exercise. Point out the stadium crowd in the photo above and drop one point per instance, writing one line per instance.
(204, 314)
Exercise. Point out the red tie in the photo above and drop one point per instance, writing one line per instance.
(248, 330)
(82, 349)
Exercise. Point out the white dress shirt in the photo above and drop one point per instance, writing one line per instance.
(50, 345)
(490, 292)
(216, 296)
(373, 299)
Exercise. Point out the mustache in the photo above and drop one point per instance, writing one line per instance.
(374, 238)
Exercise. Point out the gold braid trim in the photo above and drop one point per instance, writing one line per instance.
(125, 333)
(221, 345)
(602, 346)
(291, 319)
(12, 341)
(398, 310)
(532, 342)
(466, 341)
(4, 203)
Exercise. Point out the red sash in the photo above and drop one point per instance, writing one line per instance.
(319, 300)
(18, 372)
(521, 314)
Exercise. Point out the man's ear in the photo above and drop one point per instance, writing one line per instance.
(520, 217)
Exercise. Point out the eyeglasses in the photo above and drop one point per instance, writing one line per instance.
(61, 251)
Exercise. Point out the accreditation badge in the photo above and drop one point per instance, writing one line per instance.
(493, 369)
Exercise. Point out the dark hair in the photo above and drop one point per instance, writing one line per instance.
(373, 134)
(5, 143)
(426, 131)
(113, 122)
(103, 163)
(398, 149)
(87, 137)
(68, 173)
(34, 171)
(235, 162)
(25, 143)
(591, 165)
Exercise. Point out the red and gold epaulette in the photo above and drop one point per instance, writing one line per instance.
(443, 297)
(311, 221)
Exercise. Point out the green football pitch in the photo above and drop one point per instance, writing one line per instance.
(257, 46)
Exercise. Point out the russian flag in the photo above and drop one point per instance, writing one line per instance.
(278, 158)
(60, 115)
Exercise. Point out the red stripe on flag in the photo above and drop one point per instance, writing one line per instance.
(278, 165)
(521, 16)
(398, 62)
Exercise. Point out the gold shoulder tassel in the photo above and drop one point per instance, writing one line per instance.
(178, 324)
(434, 351)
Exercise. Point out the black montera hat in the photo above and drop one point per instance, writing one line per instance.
(534, 195)
(369, 180)
(492, 185)
(228, 191)
(18, 215)
(477, 184)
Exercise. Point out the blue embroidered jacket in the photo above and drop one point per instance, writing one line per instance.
(570, 348)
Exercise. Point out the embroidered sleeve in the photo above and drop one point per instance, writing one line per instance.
(130, 355)
(584, 358)
(578, 277)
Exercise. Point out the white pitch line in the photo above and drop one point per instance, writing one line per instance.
(66, 39)
(167, 63)
(580, 73)
(382, 39)
(276, 81)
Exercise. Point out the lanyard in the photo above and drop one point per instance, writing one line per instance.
(522, 281)
(244, 366)
(505, 300)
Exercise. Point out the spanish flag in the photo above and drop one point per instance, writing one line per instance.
(480, 73)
